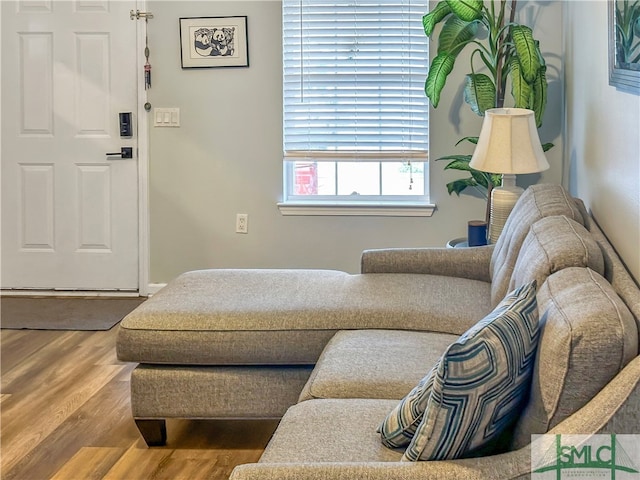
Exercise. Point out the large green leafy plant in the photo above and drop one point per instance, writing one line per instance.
(505, 54)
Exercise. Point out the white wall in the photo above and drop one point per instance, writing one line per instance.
(603, 132)
(226, 157)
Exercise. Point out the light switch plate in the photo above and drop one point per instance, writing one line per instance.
(166, 117)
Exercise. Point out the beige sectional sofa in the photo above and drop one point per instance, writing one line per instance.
(334, 353)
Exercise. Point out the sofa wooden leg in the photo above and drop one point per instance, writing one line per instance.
(154, 431)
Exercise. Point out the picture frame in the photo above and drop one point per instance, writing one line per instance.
(624, 73)
(210, 42)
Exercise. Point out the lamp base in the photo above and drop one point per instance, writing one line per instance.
(502, 201)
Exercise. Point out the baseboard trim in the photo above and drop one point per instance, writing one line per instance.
(67, 293)
(152, 288)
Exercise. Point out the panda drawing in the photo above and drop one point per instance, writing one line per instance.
(202, 41)
(213, 42)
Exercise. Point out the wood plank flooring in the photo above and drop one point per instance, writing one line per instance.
(65, 415)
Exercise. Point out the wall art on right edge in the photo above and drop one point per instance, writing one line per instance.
(207, 42)
(624, 45)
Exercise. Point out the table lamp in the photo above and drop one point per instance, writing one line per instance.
(508, 145)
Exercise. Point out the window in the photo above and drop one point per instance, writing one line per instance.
(355, 111)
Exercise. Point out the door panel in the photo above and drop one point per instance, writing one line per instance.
(69, 212)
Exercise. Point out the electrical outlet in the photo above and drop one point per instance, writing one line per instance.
(242, 223)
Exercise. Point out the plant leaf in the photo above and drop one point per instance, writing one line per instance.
(526, 51)
(455, 35)
(479, 92)
(478, 179)
(458, 158)
(435, 16)
(437, 77)
(481, 178)
(539, 102)
(520, 89)
(473, 140)
(495, 179)
(547, 146)
(458, 186)
(459, 165)
(487, 62)
(466, 10)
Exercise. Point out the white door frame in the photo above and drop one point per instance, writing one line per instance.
(143, 161)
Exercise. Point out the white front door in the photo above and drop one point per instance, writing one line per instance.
(69, 211)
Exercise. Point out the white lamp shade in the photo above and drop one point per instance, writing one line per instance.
(509, 143)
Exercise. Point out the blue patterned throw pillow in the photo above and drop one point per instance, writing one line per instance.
(479, 384)
(401, 423)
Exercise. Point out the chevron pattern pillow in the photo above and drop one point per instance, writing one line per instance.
(480, 383)
(401, 423)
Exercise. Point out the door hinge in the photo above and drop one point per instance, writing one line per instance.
(137, 15)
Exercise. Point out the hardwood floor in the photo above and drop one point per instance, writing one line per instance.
(65, 415)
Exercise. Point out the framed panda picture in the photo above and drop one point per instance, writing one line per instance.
(208, 42)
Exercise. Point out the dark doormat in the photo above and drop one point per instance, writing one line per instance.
(65, 313)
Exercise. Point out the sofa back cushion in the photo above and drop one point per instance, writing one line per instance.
(587, 336)
(554, 243)
(537, 202)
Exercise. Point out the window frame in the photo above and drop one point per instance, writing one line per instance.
(406, 205)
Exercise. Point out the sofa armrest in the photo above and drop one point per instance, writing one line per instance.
(512, 465)
(472, 263)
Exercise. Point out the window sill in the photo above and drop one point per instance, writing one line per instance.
(391, 209)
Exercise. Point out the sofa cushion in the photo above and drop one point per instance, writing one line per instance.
(537, 202)
(374, 363)
(331, 430)
(587, 336)
(554, 243)
(480, 383)
(286, 317)
(489, 365)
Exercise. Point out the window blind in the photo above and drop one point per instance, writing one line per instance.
(353, 84)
